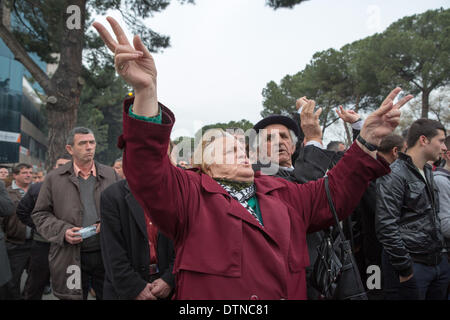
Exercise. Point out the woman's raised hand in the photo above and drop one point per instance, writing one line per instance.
(135, 65)
(384, 120)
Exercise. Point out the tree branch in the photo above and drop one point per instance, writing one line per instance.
(21, 55)
(330, 123)
(436, 83)
(21, 20)
(417, 85)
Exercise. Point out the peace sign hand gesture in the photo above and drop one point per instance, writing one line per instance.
(135, 65)
(384, 120)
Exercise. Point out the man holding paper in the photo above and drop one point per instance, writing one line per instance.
(66, 212)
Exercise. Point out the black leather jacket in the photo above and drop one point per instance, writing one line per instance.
(406, 219)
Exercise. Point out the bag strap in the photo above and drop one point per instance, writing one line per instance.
(332, 208)
(348, 221)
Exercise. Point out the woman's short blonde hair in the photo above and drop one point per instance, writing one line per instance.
(207, 140)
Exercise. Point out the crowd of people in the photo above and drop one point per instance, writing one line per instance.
(222, 226)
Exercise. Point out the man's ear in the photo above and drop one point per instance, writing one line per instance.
(423, 140)
(395, 152)
(69, 149)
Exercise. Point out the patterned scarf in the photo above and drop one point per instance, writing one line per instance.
(241, 192)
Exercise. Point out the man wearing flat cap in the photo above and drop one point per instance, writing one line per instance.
(297, 154)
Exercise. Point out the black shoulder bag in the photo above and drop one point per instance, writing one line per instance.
(335, 274)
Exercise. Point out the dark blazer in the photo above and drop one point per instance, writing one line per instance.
(124, 244)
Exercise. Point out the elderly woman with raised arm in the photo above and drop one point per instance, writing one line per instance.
(237, 234)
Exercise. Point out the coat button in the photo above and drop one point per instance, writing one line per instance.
(254, 297)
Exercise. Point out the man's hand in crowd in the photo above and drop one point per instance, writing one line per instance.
(160, 288)
(348, 116)
(309, 122)
(97, 227)
(135, 65)
(301, 102)
(72, 236)
(146, 294)
(404, 279)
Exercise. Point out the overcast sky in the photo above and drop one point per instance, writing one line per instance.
(224, 52)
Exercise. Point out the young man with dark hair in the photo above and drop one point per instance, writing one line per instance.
(38, 175)
(367, 247)
(390, 147)
(407, 221)
(18, 236)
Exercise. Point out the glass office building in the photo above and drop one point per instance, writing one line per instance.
(21, 122)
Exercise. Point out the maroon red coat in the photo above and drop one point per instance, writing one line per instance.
(221, 251)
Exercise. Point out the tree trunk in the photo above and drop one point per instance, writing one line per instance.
(61, 119)
(358, 100)
(425, 103)
(348, 135)
(324, 120)
(64, 98)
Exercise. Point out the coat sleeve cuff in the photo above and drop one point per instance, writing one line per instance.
(169, 278)
(155, 119)
(161, 123)
(133, 293)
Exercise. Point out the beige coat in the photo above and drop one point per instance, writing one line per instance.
(57, 209)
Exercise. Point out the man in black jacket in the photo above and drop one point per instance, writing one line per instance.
(360, 228)
(128, 251)
(38, 270)
(366, 247)
(407, 221)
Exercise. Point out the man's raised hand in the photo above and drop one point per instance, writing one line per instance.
(301, 102)
(309, 122)
(348, 116)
